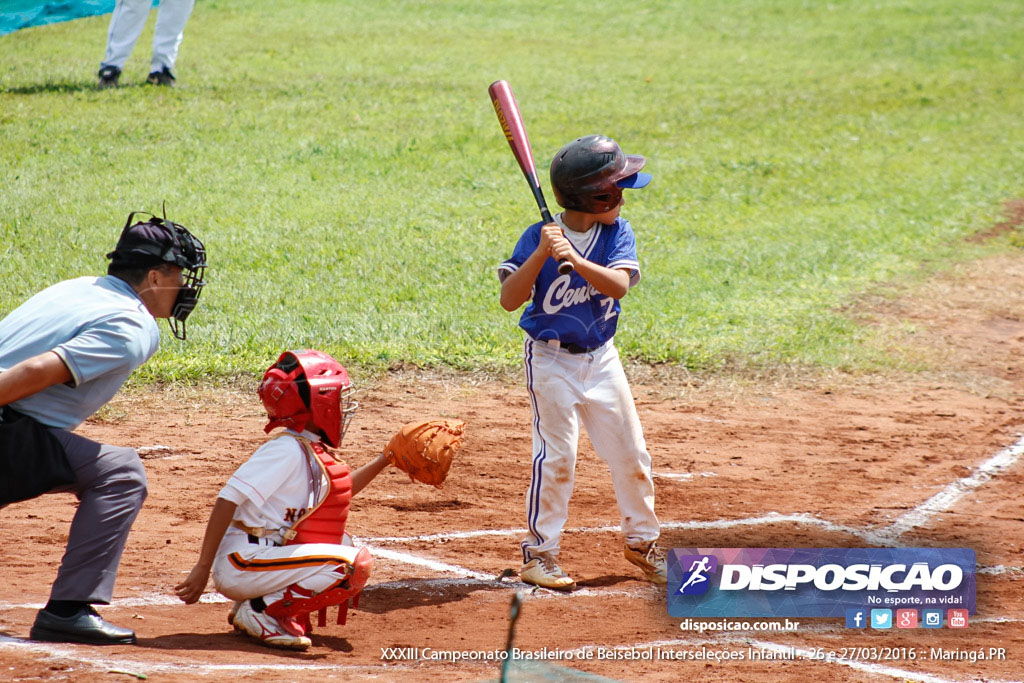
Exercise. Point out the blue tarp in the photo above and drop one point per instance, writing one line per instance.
(15, 14)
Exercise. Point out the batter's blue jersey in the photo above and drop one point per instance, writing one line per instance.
(566, 307)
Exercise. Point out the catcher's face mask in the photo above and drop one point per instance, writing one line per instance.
(309, 390)
(159, 240)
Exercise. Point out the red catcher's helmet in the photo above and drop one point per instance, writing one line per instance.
(589, 173)
(309, 390)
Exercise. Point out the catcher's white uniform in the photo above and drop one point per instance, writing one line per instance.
(273, 489)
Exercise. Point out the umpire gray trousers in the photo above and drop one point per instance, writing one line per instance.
(110, 483)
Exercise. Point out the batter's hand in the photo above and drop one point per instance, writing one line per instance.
(192, 588)
(554, 242)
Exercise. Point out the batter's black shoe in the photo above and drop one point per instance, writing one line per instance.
(85, 626)
(161, 77)
(108, 77)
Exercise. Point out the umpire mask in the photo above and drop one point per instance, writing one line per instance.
(157, 241)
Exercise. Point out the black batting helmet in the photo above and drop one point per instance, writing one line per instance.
(589, 173)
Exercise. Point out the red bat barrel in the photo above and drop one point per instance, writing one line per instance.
(507, 109)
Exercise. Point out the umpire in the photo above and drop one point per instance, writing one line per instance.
(63, 354)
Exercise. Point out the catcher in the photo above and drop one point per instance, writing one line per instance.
(276, 541)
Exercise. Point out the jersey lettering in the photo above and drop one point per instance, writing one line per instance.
(292, 514)
(560, 295)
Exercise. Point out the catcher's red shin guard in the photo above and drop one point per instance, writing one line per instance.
(293, 610)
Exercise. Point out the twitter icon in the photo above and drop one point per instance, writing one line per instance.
(881, 618)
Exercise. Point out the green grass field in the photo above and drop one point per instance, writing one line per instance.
(344, 166)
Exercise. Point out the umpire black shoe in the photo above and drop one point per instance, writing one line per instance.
(161, 77)
(85, 626)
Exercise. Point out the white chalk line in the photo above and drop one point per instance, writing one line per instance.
(148, 667)
(769, 518)
(428, 586)
(681, 476)
(1000, 570)
(150, 600)
(434, 565)
(947, 497)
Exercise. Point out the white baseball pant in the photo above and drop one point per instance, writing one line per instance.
(567, 389)
(244, 570)
(126, 25)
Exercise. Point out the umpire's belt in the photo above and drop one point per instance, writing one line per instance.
(571, 347)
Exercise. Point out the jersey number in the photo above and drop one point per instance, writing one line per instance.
(609, 304)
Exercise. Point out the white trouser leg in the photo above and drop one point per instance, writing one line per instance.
(125, 26)
(553, 397)
(170, 29)
(609, 416)
(253, 571)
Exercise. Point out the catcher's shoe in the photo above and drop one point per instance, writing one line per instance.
(543, 571)
(265, 629)
(231, 615)
(651, 560)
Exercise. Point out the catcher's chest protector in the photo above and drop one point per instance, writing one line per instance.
(325, 522)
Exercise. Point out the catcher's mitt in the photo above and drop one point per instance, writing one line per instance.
(424, 449)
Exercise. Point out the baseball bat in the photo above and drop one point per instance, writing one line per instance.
(511, 121)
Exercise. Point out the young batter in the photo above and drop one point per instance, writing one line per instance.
(573, 372)
(275, 540)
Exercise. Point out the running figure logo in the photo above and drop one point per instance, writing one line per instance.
(696, 569)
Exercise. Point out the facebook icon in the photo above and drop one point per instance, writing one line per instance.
(856, 618)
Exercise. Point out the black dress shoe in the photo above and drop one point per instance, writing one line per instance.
(85, 626)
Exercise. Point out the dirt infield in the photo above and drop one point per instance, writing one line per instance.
(817, 461)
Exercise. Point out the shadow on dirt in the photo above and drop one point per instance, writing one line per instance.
(409, 594)
(605, 581)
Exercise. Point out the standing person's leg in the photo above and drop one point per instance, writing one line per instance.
(111, 487)
(610, 418)
(125, 26)
(168, 34)
(552, 389)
